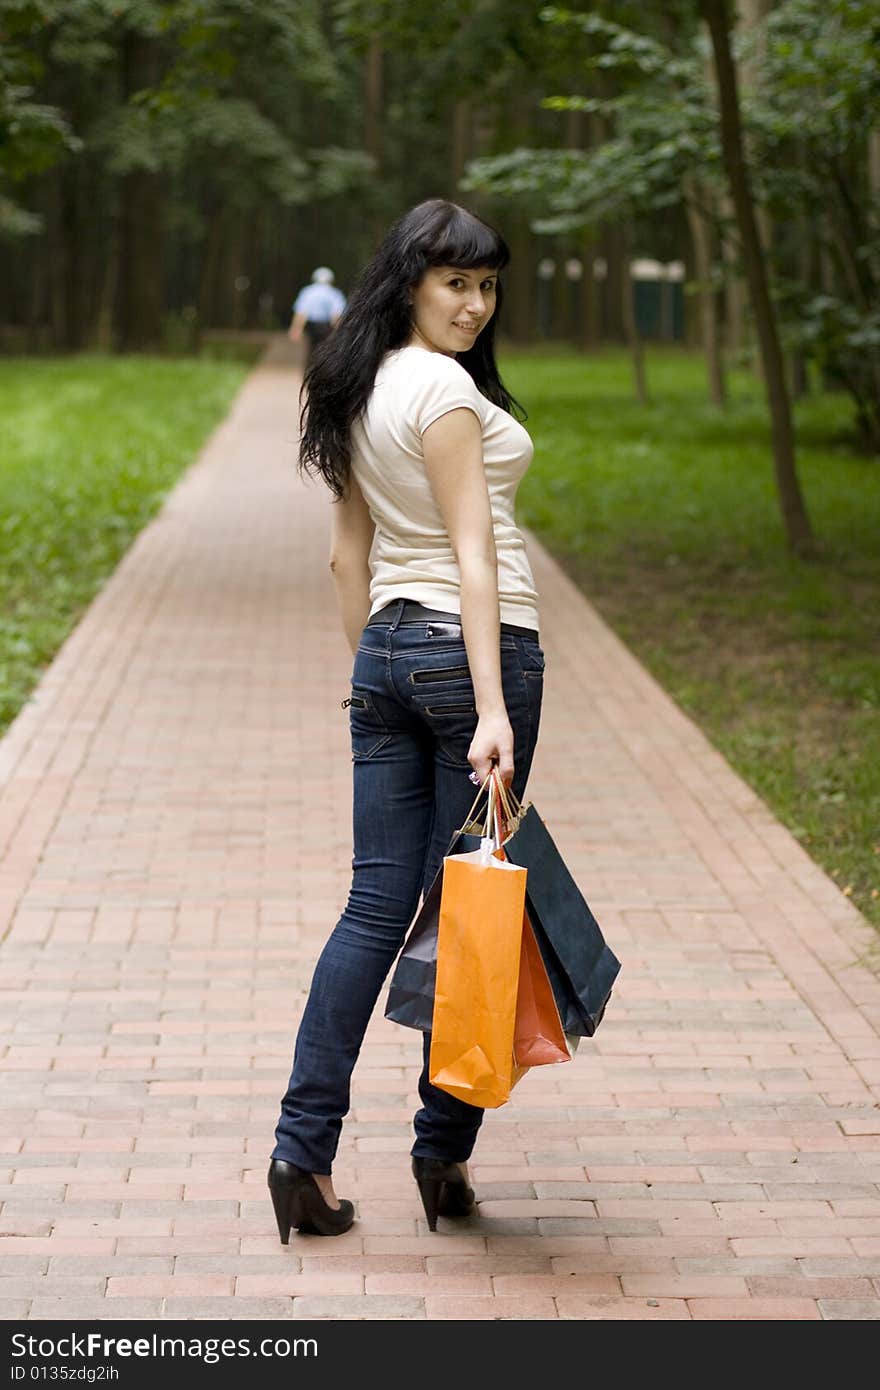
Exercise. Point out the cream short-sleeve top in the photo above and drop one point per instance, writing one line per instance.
(411, 556)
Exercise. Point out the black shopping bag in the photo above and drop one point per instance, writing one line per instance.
(571, 941)
(411, 991)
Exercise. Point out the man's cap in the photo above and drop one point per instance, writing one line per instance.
(323, 275)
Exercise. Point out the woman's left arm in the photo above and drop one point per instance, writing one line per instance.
(352, 531)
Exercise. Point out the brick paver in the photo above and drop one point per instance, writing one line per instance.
(175, 822)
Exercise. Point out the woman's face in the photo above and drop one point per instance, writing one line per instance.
(451, 307)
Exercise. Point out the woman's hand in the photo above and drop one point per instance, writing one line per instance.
(492, 743)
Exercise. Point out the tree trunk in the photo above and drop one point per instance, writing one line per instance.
(58, 266)
(590, 289)
(38, 305)
(752, 14)
(807, 273)
(873, 265)
(615, 270)
(103, 327)
(615, 279)
(459, 144)
(140, 261)
(701, 236)
(560, 317)
(630, 327)
(589, 295)
(76, 283)
(225, 311)
(797, 525)
(735, 294)
(373, 134)
(568, 292)
(141, 287)
(519, 308)
(522, 309)
(873, 172)
(738, 338)
(693, 333)
(850, 233)
(210, 262)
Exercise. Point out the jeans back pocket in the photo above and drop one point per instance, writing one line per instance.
(368, 730)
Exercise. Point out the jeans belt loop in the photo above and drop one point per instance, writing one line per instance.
(400, 606)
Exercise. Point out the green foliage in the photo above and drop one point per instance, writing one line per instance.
(218, 87)
(813, 110)
(33, 134)
(197, 127)
(660, 121)
(820, 76)
(810, 101)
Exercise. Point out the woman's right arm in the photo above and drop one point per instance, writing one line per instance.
(352, 530)
(453, 448)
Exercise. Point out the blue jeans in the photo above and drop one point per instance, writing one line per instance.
(412, 718)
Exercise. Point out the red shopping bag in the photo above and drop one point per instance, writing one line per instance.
(538, 1037)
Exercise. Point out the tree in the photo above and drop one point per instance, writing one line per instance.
(33, 135)
(182, 127)
(637, 172)
(814, 115)
(797, 525)
(655, 128)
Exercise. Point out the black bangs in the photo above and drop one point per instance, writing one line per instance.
(456, 237)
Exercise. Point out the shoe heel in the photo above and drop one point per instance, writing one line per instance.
(286, 1207)
(442, 1189)
(297, 1201)
(429, 1191)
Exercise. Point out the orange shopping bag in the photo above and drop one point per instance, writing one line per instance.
(478, 957)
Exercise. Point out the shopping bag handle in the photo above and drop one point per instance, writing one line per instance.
(510, 802)
(493, 813)
(483, 785)
(505, 810)
(511, 806)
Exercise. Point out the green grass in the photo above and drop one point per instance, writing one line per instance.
(89, 447)
(667, 519)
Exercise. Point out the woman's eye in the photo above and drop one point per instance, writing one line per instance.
(458, 284)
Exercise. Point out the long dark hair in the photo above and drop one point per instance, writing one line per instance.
(378, 318)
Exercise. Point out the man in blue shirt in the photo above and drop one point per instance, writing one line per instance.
(316, 309)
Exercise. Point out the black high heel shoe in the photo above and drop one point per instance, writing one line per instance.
(443, 1189)
(298, 1202)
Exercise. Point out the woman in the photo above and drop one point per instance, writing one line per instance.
(408, 423)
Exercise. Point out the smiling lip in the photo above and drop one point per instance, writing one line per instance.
(467, 327)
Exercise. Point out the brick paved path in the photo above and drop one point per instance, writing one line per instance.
(175, 811)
